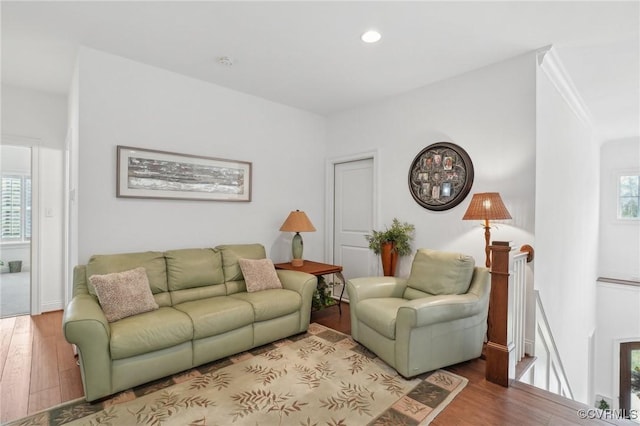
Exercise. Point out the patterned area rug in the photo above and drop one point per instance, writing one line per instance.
(321, 377)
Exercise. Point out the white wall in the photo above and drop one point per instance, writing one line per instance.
(567, 203)
(35, 118)
(490, 113)
(122, 102)
(619, 239)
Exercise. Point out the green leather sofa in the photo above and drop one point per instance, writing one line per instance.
(435, 318)
(205, 313)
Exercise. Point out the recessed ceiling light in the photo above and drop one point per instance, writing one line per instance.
(371, 36)
(225, 60)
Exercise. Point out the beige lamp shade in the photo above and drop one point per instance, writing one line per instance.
(297, 222)
(486, 206)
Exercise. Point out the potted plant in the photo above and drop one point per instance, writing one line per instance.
(394, 241)
(15, 266)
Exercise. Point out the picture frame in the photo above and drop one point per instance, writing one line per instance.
(441, 176)
(148, 173)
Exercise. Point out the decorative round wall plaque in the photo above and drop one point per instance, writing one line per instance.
(440, 176)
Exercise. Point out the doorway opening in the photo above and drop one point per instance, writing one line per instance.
(15, 230)
(630, 380)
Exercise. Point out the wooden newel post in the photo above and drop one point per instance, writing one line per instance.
(500, 355)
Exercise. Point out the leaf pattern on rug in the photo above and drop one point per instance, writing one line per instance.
(253, 401)
(314, 345)
(312, 377)
(392, 418)
(441, 379)
(265, 375)
(273, 355)
(352, 396)
(390, 382)
(167, 405)
(214, 380)
(358, 362)
(106, 418)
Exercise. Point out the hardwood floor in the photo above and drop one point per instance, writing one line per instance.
(38, 371)
(37, 366)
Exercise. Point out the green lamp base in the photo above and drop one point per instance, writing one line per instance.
(296, 250)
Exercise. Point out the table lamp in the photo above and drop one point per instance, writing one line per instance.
(297, 222)
(486, 206)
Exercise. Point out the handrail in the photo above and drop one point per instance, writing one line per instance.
(632, 283)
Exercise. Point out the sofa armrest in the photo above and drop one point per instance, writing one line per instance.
(303, 283)
(85, 325)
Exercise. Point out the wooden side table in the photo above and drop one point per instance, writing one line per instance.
(317, 269)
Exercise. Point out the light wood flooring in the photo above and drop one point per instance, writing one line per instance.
(37, 366)
(38, 371)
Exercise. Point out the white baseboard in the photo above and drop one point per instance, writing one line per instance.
(54, 305)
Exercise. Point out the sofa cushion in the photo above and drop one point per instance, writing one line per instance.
(122, 294)
(380, 314)
(273, 303)
(190, 268)
(259, 274)
(148, 332)
(216, 315)
(439, 272)
(231, 253)
(152, 261)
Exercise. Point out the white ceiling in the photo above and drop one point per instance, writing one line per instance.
(309, 55)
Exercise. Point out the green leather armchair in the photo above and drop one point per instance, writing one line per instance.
(435, 318)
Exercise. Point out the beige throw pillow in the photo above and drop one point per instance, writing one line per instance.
(123, 294)
(259, 274)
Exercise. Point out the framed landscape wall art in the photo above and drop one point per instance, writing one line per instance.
(146, 173)
(440, 176)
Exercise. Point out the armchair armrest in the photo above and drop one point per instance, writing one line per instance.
(370, 287)
(85, 325)
(436, 309)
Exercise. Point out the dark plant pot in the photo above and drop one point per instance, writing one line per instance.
(15, 266)
(389, 258)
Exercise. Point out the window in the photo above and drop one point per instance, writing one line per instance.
(15, 217)
(629, 197)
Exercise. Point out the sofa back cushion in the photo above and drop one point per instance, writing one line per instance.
(189, 268)
(438, 272)
(231, 253)
(152, 261)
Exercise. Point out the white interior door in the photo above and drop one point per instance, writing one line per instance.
(353, 219)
